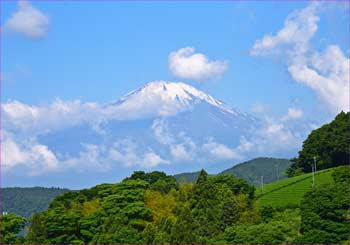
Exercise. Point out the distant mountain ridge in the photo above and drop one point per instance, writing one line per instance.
(25, 201)
(272, 169)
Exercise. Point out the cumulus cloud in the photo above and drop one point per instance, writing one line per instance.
(220, 151)
(180, 146)
(125, 151)
(91, 157)
(327, 73)
(293, 113)
(28, 119)
(299, 27)
(35, 157)
(185, 63)
(274, 135)
(28, 21)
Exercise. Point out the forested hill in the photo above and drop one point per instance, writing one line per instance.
(151, 208)
(271, 168)
(28, 200)
(328, 146)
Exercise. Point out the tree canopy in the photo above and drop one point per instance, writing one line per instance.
(329, 144)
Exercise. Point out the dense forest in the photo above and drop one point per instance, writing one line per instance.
(153, 208)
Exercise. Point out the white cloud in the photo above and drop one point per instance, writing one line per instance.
(91, 157)
(35, 120)
(274, 136)
(185, 63)
(220, 151)
(299, 27)
(180, 152)
(126, 152)
(28, 21)
(151, 159)
(12, 154)
(37, 158)
(259, 108)
(181, 147)
(293, 113)
(326, 73)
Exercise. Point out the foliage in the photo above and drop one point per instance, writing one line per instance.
(282, 227)
(325, 211)
(10, 225)
(289, 192)
(215, 209)
(329, 144)
(158, 181)
(145, 208)
(26, 201)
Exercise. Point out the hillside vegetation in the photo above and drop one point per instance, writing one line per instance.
(289, 192)
(329, 145)
(29, 200)
(151, 208)
(272, 169)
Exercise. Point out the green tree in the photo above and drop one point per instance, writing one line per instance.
(329, 144)
(325, 211)
(37, 233)
(183, 231)
(10, 225)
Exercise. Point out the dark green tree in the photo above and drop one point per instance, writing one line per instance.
(183, 231)
(329, 144)
(325, 211)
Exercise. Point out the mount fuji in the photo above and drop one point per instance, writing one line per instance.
(165, 126)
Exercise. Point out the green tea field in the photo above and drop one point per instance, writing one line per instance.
(288, 192)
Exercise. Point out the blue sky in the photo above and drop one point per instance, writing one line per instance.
(99, 51)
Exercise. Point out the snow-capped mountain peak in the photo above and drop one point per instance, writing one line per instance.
(167, 98)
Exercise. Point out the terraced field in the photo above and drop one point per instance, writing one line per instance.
(288, 192)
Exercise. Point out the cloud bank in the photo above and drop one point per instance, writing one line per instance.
(24, 126)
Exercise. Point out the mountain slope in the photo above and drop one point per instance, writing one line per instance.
(289, 192)
(187, 177)
(29, 200)
(271, 168)
(170, 127)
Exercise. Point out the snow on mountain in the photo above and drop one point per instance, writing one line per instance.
(161, 98)
(168, 126)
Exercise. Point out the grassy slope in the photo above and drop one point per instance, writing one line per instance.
(290, 191)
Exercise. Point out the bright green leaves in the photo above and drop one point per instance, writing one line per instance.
(10, 225)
